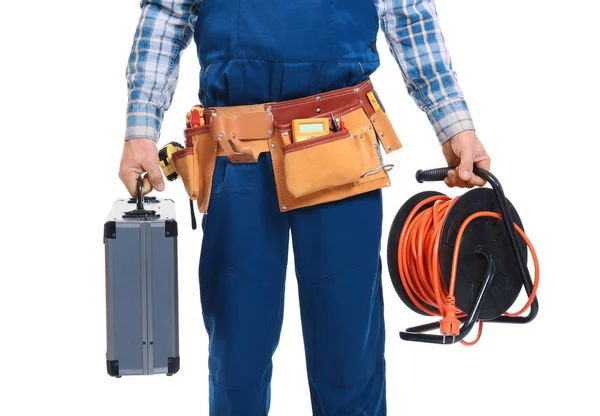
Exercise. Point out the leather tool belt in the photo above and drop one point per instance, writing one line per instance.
(322, 169)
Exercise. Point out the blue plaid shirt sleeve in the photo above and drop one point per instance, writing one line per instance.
(164, 30)
(415, 39)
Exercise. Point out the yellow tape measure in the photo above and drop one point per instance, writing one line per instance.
(165, 157)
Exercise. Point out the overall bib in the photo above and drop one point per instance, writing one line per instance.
(256, 51)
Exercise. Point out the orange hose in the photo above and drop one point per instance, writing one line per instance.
(418, 263)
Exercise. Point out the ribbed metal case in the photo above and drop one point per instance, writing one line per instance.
(142, 319)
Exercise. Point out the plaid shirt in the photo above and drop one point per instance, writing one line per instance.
(411, 29)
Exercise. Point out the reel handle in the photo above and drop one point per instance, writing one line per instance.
(439, 174)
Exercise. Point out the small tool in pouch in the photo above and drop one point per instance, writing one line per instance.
(307, 128)
(195, 117)
(335, 127)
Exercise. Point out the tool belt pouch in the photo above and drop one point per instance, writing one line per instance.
(196, 164)
(339, 160)
(321, 163)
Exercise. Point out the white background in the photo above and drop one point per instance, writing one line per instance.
(529, 70)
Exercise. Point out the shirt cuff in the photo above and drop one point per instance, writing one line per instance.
(143, 121)
(449, 119)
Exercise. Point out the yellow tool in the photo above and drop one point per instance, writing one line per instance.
(165, 157)
(374, 100)
(307, 128)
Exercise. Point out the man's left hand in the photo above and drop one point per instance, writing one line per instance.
(465, 150)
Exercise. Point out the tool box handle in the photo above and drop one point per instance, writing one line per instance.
(139, 211)
(140, 196)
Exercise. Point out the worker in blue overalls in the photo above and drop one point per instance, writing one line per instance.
(256, 51)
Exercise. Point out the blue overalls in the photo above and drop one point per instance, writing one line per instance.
(256, 51)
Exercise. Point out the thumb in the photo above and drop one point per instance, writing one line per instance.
(465, 169)
(155, 177)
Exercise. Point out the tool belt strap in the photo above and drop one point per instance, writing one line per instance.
(242, 131)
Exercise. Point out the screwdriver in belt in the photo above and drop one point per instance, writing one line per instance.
(335, 124)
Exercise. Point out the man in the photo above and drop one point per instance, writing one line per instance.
(258, 51)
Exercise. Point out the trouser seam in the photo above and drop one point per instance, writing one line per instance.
(216, 383)
(361, 381)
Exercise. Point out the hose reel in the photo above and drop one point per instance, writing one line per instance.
(480, 235)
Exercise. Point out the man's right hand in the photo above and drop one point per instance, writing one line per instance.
(139, 156)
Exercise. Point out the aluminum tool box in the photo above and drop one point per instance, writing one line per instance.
(142, 322)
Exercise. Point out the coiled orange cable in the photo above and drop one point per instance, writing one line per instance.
(418, 262)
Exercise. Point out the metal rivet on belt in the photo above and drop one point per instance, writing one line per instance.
(318, 110)
(318, 98)
(269, 132)
(356, 89)
(272, 146)
(233, 135)
(361, 101)
(360, 136)
(268, 108)
(389, 147)
(247, 159)
(369, 127)
(220, 136)
(373, 119)
(284, 206)
(381, 134)
(285, 133)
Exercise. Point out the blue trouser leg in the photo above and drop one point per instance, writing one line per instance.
(336, 250)
(242, 274)
(242, 278)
